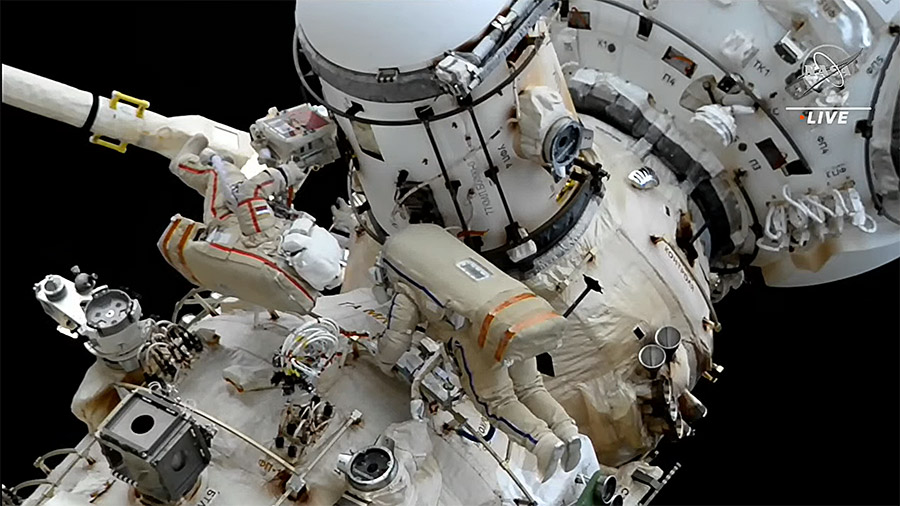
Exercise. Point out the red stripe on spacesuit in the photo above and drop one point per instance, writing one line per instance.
(268, 263)
(193, 170)
(212, 205)
(249, 203)
(519, 327)
(253, 216)
(486, 324)
(259, 187)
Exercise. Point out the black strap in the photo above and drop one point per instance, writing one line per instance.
(287, 182)
(89, 122)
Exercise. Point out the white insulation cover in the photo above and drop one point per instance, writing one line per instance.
(598, 378)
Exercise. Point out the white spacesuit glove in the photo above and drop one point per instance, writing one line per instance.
(313, 253)
(344, 222)
(417, 409)
(344, 218)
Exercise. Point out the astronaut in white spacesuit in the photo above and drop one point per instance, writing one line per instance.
(513, 398)
(500, 376)
(243, 248)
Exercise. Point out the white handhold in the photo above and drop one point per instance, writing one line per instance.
(738, 48)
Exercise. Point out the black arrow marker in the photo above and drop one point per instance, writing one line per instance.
(592, 286)
(544, 360)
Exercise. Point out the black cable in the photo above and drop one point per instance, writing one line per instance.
(876, 198)
(92, 115)
(487, 437)
(447, 182)
(493, 171)
(756, 228)
(287, 180)
(698, 233)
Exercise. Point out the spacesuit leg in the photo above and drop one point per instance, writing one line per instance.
(403, 316)
(529, 388)
(488, 384)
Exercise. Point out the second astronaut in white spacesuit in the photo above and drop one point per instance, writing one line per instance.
(242, 248)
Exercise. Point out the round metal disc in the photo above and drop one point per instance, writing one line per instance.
(109, 311)
(652, 356)
(668, 337)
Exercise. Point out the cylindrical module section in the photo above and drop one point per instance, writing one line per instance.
(432, 149)
(403, 172)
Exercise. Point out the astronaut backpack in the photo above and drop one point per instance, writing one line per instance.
(460, 292)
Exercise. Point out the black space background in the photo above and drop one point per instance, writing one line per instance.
(806, 412)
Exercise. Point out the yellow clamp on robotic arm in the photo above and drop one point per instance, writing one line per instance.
(117, 97)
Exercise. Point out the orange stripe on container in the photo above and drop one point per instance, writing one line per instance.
(181, 244)
(519, 327)
(167, 238)
(486, 324)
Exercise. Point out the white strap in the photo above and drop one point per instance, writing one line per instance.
(786, 192)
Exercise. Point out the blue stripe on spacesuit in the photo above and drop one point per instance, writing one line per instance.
(515, 429)
(415, 284)
(391, 311)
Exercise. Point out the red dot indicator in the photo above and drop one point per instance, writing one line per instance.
(802, 117)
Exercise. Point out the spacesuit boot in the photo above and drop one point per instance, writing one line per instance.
(549, 450)
(529, 388)
(572, 454)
